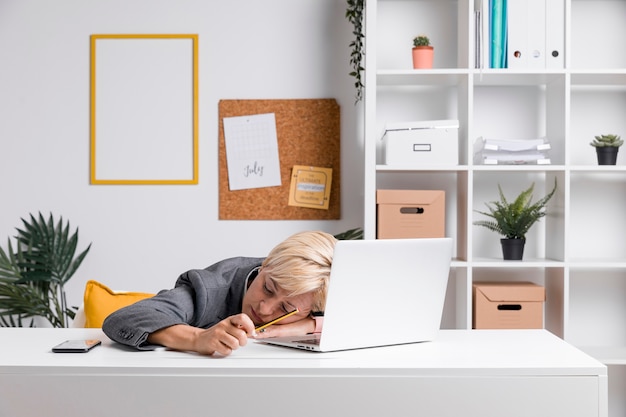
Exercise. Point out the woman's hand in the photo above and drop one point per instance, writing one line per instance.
(226, 336)
(222, 338)
(296, 328)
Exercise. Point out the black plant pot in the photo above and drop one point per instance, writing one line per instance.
(513, 249)
(607, 155)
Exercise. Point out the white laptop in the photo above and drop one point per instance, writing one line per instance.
(382, 292)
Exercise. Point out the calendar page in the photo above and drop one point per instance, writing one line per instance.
(252, 151)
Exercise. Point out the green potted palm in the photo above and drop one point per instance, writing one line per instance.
(513, 219)
(33, 273)
(607, 147)
(423, 52)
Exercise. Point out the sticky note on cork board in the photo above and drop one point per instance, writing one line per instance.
(310, 187)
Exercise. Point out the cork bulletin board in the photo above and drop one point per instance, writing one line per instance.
(308, 133)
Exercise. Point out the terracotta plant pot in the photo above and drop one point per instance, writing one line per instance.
(423, 57)
(607, 155)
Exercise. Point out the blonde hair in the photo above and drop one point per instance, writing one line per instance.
(301, 264)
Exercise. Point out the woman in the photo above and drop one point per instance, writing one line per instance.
(215, 310)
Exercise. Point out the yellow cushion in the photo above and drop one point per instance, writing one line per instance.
(100, 301)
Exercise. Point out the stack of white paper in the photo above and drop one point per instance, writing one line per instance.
(511, 151)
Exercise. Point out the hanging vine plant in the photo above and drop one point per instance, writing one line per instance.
(354, 13)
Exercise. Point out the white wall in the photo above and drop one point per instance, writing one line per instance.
(144, 236)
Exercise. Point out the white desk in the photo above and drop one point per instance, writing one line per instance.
(463, 373)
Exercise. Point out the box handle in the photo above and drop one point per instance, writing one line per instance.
(421, 147)
(411, 210)
(509, 307)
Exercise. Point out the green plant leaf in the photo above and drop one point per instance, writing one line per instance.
(355, 14)
(352, 234)
(514, 219)
(33, 275)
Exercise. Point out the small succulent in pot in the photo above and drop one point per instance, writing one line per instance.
(607, 147)
(423, 53)
(611, 140)
(421, 40)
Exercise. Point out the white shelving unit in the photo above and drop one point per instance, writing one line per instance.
(577, 250)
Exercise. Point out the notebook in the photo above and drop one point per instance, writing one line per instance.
(381, 292)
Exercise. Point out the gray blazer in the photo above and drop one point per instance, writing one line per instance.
(200, 298)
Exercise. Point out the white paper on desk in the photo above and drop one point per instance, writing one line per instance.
(252, 151)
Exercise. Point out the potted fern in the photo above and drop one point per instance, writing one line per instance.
(607, 147)
(423, 52)
(514, 219)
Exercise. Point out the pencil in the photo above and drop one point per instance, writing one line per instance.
(276, 320)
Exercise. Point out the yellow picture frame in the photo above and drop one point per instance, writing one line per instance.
(144, 109)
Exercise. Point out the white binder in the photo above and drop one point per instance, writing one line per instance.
(486, 34)
(536, 31)
(517, 49)
(555, 34)
(536, 34)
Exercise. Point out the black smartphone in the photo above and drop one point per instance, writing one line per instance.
(76, 346)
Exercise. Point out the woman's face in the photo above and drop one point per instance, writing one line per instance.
(264, 301)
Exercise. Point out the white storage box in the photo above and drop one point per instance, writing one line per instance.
(432, 142)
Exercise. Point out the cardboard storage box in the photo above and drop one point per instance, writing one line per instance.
(508, 305)
(410, 213)
(433, 142)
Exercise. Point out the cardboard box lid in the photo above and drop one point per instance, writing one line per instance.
(408, 196)
(511, 291)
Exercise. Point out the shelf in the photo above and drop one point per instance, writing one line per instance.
(507, 77)
(525, 263)
(513, 168)
(567, 252)
(492, 168)
(591, 264)
(598, 264)
(576, 250)
(421, 77)
(411, 169)
(598, 77)
(597, 168)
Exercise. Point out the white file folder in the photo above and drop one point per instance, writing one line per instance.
(536, 34)
(555, 34)
(486, 35)
(518, 34)
(536, 30)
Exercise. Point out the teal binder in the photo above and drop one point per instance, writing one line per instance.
(498, 33)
